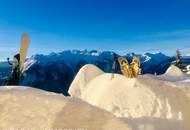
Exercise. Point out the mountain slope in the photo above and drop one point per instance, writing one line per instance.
(59, 69)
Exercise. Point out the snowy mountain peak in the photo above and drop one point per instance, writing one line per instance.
(73, 57)
(95, 53)
(154, 54)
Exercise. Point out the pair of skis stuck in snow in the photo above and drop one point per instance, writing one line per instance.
(18, 62)
(131, 70)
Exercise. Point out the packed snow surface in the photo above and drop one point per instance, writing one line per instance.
(145, 103)
(174, 71)
(29, 108)
(85, 75)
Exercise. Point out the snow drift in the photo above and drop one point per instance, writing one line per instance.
(29, 108)
(174, 71)
(85, 75)
(145, 103)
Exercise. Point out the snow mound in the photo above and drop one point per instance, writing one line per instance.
(29, 108)
(84, 76)
(188, 68)
(174, 71)
(145, 102)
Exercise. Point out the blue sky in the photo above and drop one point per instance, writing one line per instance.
(118, 25)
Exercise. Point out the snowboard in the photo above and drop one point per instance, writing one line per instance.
(23, 50)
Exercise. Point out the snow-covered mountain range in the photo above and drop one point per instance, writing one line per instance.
(104, 60)
(55, 72)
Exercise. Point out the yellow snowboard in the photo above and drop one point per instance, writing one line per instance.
(23, 50)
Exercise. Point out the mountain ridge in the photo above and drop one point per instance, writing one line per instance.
(56, 71)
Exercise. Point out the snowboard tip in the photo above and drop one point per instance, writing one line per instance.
(25, 38)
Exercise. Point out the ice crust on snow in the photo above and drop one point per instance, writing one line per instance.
(145, 103)
(29, 108)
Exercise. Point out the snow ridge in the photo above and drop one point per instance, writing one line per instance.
(153, 100)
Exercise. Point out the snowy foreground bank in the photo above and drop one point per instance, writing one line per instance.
(33, 109)
(98, 102)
